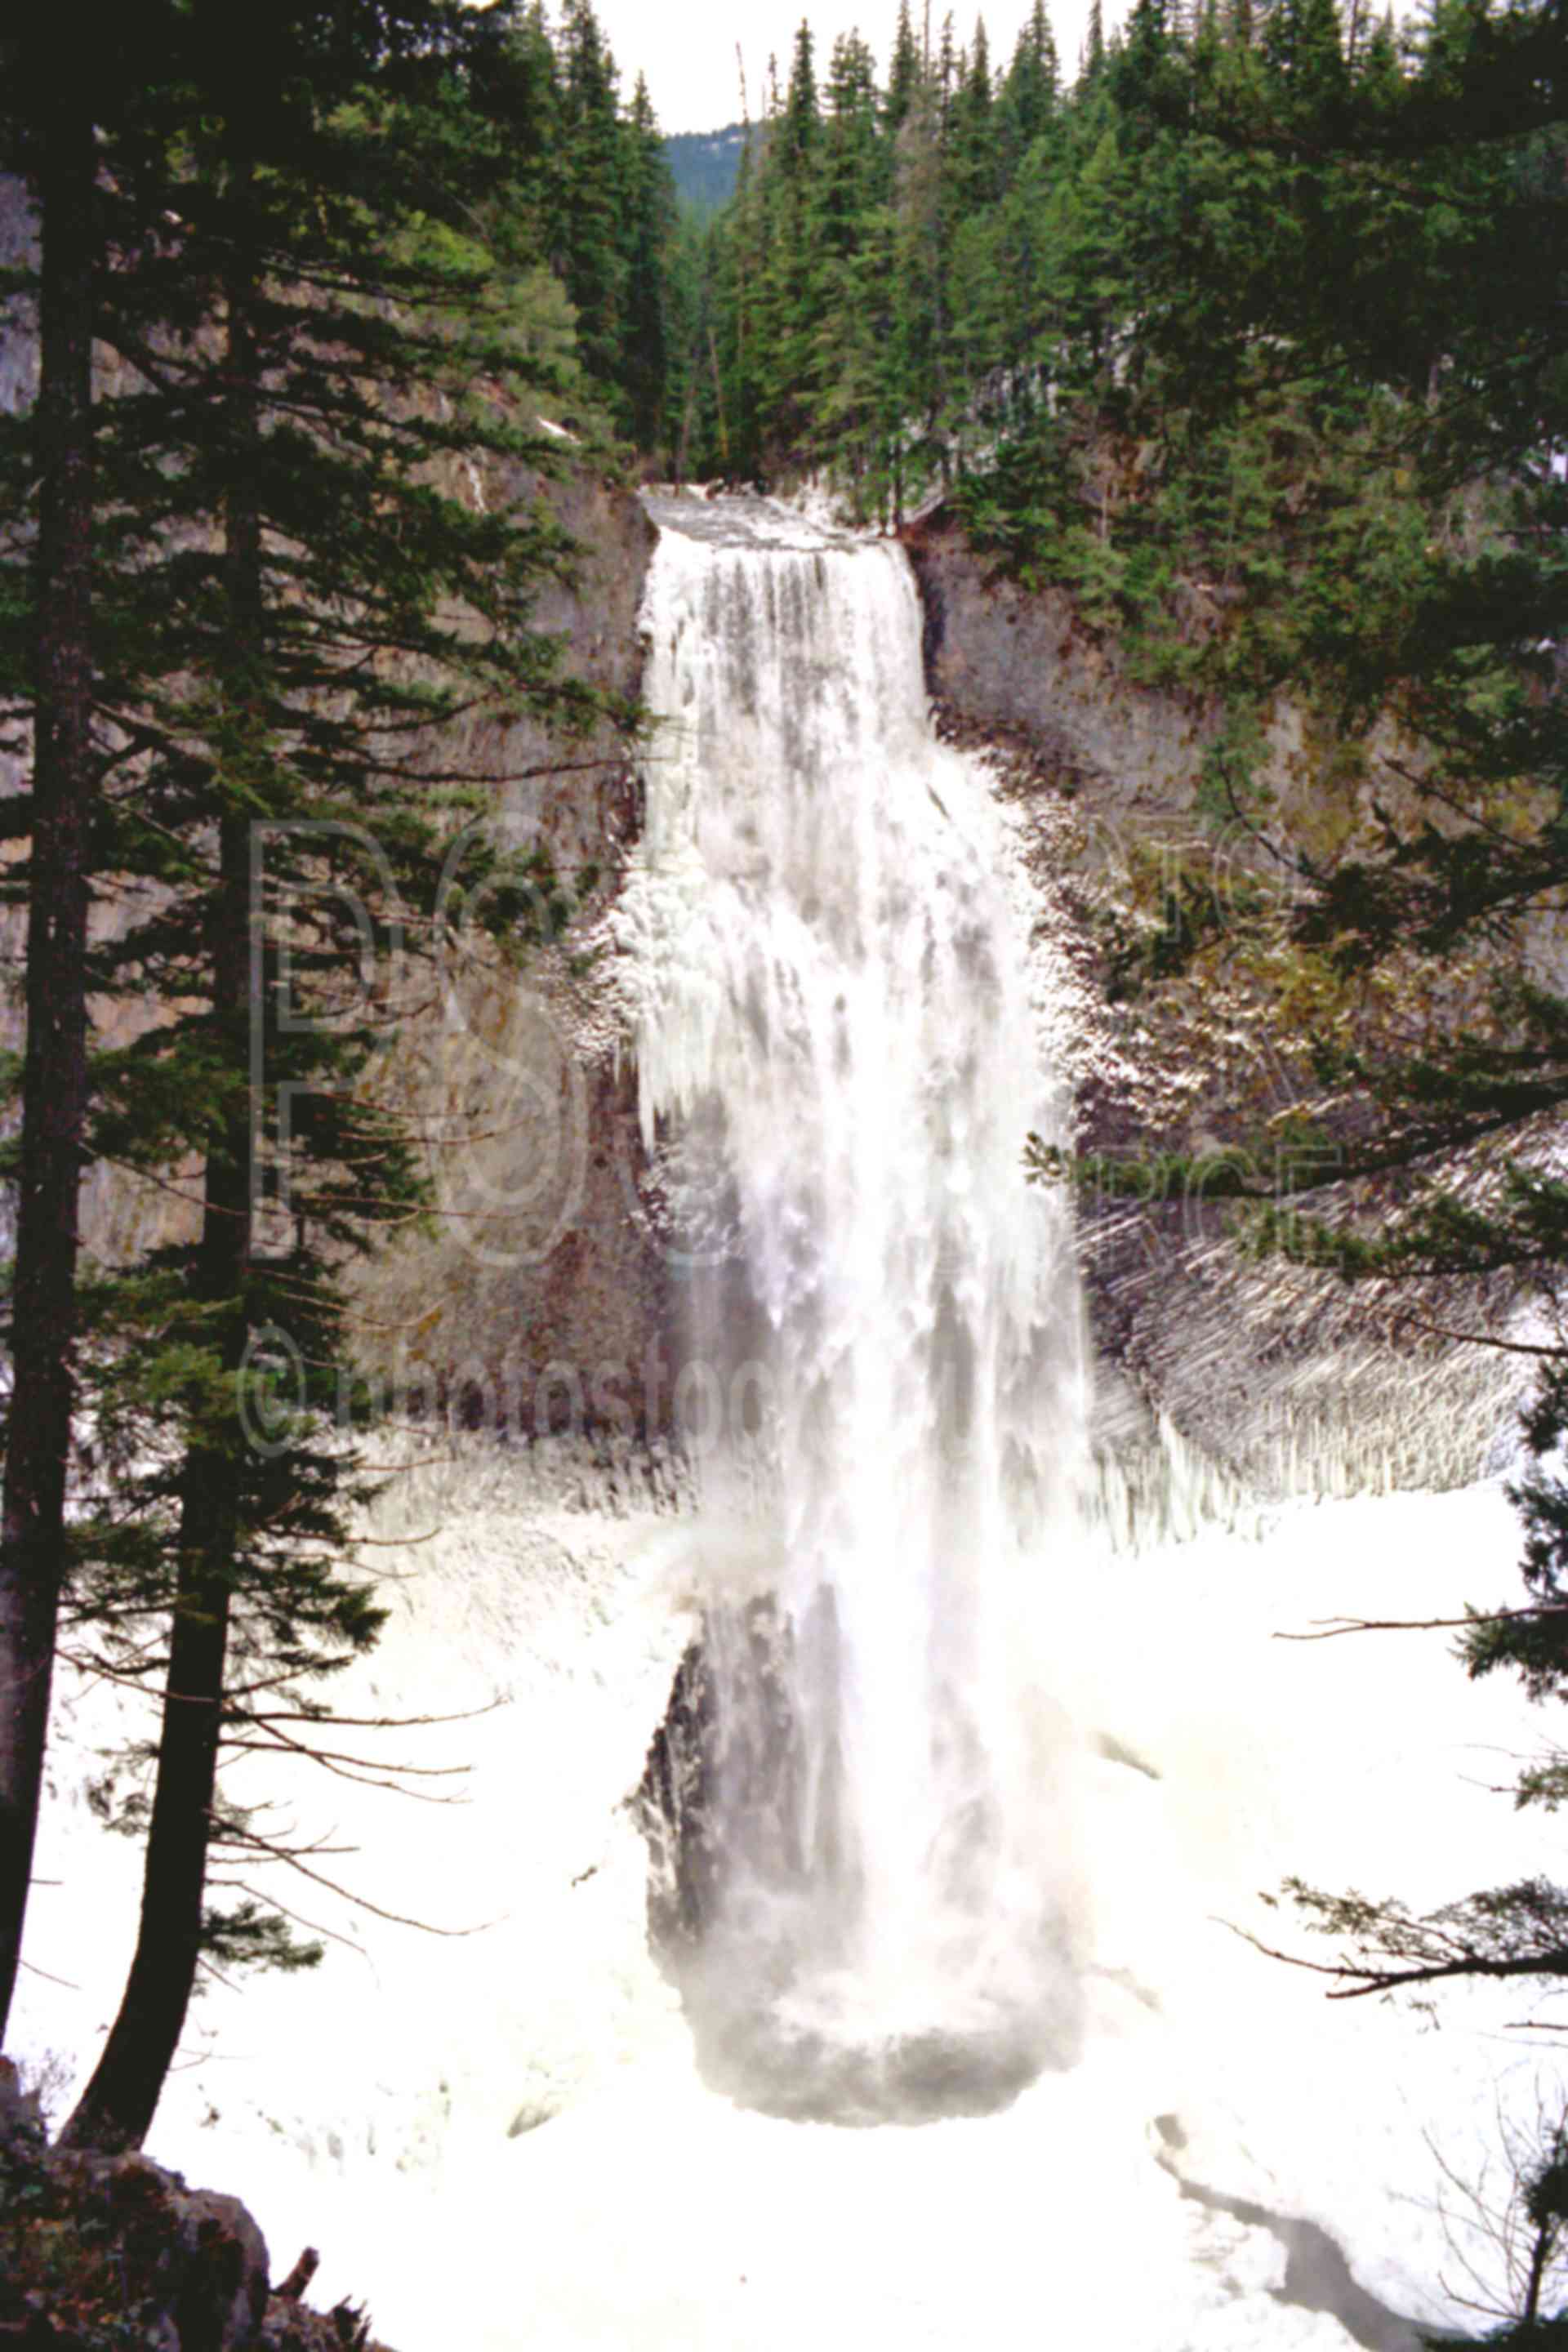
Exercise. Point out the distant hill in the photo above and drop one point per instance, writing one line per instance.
(705, 165)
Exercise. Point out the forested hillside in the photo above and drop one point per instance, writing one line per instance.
(705, 165)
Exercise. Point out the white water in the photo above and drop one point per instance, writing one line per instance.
(842, 1037)
(512, 2139)
(368, 2110)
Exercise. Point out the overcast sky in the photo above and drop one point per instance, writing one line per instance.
(686, 48)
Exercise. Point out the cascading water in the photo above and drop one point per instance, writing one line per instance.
(845, 1027)
(840, 1020)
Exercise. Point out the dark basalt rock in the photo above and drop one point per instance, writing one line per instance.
(98, 2252)
(743, 1744)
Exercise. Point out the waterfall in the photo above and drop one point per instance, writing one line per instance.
(843, 1035)
(496, 2132)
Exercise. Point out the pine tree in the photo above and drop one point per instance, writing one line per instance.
(920, 318)
(1031, 90)
(849, 172)
(848, 357)
(946, 73)
(734, 356)
(298, 604)
(1305, 61)
(1396, 283)
(801, 126)
(66, 774)
(905, 75)
(512, 82)
(1093, 62)
(974, 150)
(649, 213)
(593, 162)
(1147, 73)
(788, 283)
(1379, 81)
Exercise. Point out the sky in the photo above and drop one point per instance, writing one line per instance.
(686, 48)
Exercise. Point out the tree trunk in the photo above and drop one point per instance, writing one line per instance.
(118, 2105)
(1540, 2255)
(54, 1083)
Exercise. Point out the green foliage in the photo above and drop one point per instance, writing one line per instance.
(76, 2253)
(341, 251)
(249, 1936)
(705, 165)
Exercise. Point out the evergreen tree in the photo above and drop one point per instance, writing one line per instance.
(1092, 63)
(1379, 81)
(592, 160)
(1031, 88)
(789, 288)
(733, 356)
(974, 153)
(1147, 72)
(947, 73)
(1365, 273)
(801, 126)
(905, 74)
(1305, 61)
(649, 228)
(512, 82)
(850, 357)
(53, 122)
(921, 322)
(849, 176)
(296, 605)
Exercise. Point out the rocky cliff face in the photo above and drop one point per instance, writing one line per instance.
(99, 2251)
(537, 1302)
(1281, 1380)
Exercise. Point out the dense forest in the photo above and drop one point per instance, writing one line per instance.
(706, 165)
(1247, 339)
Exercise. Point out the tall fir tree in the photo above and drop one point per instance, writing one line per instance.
(296, 605)
(649, 216)
(53, 129)
(593, 162)
(905, 73)
(849, 348)
(1030, 88)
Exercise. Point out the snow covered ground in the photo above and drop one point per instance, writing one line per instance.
(499, 2138)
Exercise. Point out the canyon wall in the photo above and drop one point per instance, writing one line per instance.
(537, 1299)
(1283, 1379)
(534, 1301)
(537, 1303)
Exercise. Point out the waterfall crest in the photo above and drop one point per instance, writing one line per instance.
(842, 1031)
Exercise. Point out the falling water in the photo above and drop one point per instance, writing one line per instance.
(841, 1028)
(845, 1030)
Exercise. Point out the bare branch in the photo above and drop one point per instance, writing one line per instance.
(1327, 1629)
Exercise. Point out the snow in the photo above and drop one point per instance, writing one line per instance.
(494, 2122)
(367, 2109)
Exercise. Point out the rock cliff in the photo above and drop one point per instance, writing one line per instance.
(103, 2251)
(1283, 1380)
(539, 1303)
(536, 1303)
